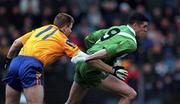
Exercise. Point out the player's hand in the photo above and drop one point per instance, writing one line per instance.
(80, 57)
(7, 62)
(120, 72)
(77, 59)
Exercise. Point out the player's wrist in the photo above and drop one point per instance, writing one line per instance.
(120, 72)
(115, 68)
(114, 71)
(8, 59)
(7, 62)
(80, 57)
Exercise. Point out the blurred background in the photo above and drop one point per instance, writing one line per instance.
(154, 69)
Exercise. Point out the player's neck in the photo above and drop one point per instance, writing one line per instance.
(61, 30)
(132, 29)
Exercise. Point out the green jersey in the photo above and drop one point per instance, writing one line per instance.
(117, 40)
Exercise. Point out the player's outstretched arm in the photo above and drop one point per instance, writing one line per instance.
(97, 55)
(18, 44)
(14, 49)
(81, 56)
(117, 71)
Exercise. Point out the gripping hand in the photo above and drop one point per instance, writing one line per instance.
(80, 57)
(120, 72)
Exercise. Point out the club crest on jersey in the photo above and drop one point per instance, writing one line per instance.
(70, 44)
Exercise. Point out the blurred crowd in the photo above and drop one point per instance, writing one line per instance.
(154, 69)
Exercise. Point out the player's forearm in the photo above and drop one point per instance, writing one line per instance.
(14, 49)
(81, 56)
(101, 65)
(97, 55)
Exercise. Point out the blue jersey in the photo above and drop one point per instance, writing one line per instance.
(24, 71)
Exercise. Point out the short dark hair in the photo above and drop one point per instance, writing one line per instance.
(137, 18)
(63, 19)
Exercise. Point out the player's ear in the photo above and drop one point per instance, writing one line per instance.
(65, 26)
(135, 25)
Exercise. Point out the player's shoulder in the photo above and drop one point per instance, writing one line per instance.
(129, 44)
(119, 26)
(48, 26)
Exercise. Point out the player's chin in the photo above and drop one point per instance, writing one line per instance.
(143, 33)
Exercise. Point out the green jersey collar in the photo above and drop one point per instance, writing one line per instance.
(132, 30)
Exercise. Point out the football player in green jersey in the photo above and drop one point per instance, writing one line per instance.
(110, 43)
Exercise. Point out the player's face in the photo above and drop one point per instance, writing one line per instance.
(142, 28)
(68, 30)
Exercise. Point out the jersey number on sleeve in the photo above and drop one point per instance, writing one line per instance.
(110, 33)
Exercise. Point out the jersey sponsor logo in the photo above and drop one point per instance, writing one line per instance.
(70, 44)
